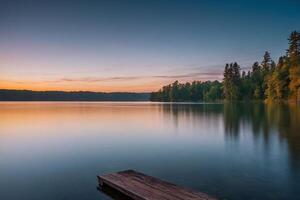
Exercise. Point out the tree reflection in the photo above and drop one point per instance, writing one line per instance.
(281, 120)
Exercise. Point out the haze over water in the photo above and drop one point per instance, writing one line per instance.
(231, 151)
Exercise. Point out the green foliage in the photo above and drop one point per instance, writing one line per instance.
(231, 81)
(215, 91)
(293, 54)
(278, 81)
(266, 81)
(195, 91)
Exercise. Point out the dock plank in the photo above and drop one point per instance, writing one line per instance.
(139, 186)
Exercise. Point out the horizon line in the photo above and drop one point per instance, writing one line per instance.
(71, 91)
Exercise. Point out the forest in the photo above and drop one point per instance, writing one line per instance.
(267, 80)
(29, 95)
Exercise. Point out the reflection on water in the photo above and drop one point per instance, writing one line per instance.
(281, 119)
(263, 119)
(233, 151)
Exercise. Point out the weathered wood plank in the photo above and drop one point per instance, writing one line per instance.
(139, 186)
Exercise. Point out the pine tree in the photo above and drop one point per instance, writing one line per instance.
(293, 54)
(236, 82)
(294, 47)
(226, 82)
(267, 80)
(270, 92)
(281, 75)
(266, 63)
(256, 76)
(231, 81)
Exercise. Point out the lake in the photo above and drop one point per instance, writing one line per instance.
(231, 151)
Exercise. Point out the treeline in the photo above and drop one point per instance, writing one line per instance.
(28, 95)
(195, 91)
(266, 80)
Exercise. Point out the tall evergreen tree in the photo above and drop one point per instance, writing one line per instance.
(281, 75)
(293, 51)
(257, 80)
(236, 82)
(231, 81)
(267, 80)
(293, 54)
(226, 82)
(266, 65)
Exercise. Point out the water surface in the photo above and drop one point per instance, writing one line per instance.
(231, 151)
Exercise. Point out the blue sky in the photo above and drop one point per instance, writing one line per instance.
(135, 45)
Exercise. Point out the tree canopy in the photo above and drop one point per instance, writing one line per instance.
(266, 80)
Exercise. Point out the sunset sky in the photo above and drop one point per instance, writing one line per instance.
(135, 45)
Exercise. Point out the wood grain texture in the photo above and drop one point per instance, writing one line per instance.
(139, 186)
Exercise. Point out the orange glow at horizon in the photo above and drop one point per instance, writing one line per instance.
(44, 69)
(44, 86)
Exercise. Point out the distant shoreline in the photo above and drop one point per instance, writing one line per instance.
(29, 95)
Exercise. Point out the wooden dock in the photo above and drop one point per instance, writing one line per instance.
(138, 186)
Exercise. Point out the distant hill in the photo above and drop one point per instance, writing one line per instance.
(28, 95)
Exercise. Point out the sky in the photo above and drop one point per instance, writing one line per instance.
(135, 46)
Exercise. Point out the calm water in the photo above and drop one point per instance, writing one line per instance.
(232, 151)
